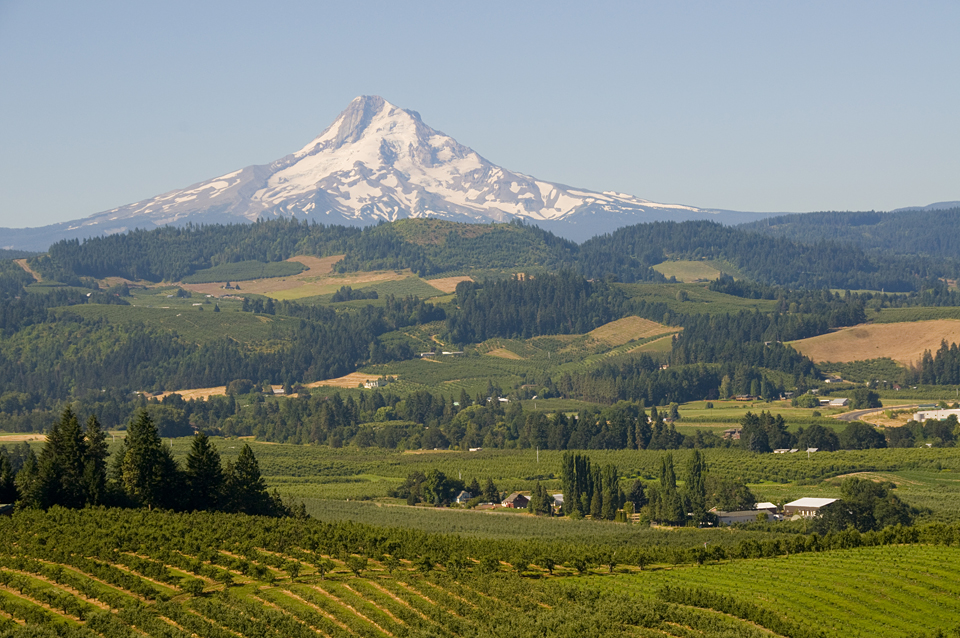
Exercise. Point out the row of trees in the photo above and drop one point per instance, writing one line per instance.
(74, 470)
(590, 489)
(765, 433)
(595, 491)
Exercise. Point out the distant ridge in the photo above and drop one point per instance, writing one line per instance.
(936, 206)
(932, 231)
(377, 162)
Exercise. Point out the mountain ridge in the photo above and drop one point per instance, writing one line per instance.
(377, 162)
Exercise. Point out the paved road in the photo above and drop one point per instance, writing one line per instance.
(856, 414)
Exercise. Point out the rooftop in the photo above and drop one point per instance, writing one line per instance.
(809, 501)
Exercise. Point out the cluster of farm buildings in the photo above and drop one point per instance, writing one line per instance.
(807, 507)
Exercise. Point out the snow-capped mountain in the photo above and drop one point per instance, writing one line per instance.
(375, 162)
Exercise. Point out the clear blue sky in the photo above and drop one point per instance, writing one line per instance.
(757, 106)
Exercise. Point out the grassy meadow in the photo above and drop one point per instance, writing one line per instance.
(696, 271)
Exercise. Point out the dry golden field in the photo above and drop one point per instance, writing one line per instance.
(318, 279)
(621, 331)
(503, 353)
(351, 380)
(197, 393)
(447, 284)
(902, 342)
(689, 271)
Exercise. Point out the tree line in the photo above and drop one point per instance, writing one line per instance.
(75, 470)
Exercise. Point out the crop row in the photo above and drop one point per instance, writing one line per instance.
(917, 585)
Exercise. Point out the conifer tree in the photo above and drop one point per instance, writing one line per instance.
(8, 489)
(204, 475)
(95, 463)
(245, 487)
(490, 492)
(148, 472)
(26, 482)
(60, 466)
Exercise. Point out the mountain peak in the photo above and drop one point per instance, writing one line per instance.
(354, 120)
(354, 123)
(379, 162)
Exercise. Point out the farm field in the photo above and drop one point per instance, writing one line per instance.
(694, 271)
(868, 591)
(621, 331)
(112, 575)
(898, 315)
(447, 284)
(504, 524)
(730, 412)
(926, 478)
(902, 342)
(188, 321)
(246, 271)
(106, 572)
(351, 380)
(318, 281)
(700, 300)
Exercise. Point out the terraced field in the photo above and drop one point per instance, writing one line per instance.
(875, 591)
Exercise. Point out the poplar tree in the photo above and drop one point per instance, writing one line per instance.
(697, 487)
(610, 501)
(670, 505)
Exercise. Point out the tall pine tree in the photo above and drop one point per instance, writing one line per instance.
(148, 473)
(60, 467)
(245, 487)
(204, 475)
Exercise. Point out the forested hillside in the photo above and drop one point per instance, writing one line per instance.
(934, 233)
(770, 260)
(431, 247)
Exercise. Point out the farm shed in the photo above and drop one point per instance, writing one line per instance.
(738, 516)
(516, 501)
(807, 507)
(767, 507)
(835, 403)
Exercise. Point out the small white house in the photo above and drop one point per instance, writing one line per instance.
(463, 497)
